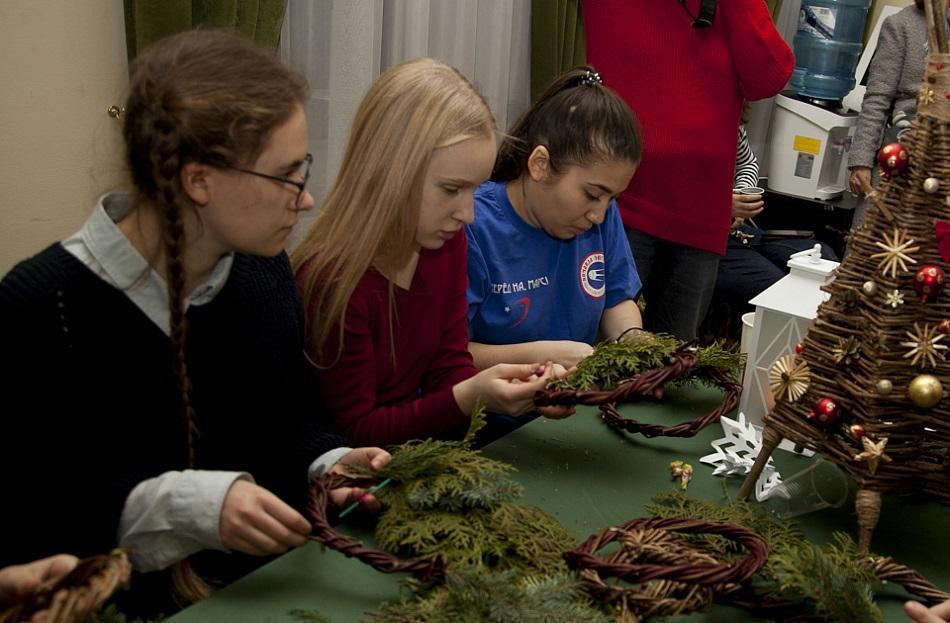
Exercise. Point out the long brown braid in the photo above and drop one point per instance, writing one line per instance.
(209, 97)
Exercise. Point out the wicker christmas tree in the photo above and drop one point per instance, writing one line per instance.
(867, 390)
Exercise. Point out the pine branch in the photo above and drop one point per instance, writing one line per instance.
(501, 597)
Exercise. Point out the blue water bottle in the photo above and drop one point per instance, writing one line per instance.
(827, 47)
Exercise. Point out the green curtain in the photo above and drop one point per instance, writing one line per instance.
(147, 21)
(557, 41)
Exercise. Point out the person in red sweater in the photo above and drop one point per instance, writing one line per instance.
(686, 85)
(383, 268)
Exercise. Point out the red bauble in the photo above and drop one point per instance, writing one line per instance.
(857, 431)
(929, 282)
(893, 158)
(944, 327)
(825, 412)
(799, 348)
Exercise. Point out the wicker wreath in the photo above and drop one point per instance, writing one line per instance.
(78, 594)
(672, 574)
(323, 532)
(649, 384)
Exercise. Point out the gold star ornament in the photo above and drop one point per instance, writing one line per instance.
(896, 252)
(873, 453)
(788, 378)
(924, 345)
(926, 96)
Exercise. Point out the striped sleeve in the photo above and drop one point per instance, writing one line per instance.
(747, 167)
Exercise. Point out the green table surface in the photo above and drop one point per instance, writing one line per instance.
(588, 477)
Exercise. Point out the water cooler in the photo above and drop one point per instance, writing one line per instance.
(811, 133)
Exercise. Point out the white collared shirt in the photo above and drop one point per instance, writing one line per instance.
(175, 514)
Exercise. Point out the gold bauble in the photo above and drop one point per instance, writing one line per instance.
(925, 391)
(884, 387)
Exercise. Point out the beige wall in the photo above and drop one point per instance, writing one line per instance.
(63, 65)
(876, 7)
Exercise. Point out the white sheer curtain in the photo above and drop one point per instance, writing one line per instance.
(342, 45)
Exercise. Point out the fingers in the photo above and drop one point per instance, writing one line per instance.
(58, 567)
(942, 610)
(18, 581)
(556, 413)
(344, 496)
(255, 521)
(921, 614)
(509, 371)
(371, 458)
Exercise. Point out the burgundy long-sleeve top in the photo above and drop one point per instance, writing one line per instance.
(391, 386)
(686, 86)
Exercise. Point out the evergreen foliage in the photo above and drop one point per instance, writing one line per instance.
(477, 596)
(614, 362)
(111, 614)
(308, 616)
(831, 583)
(831, 579)
(450, 500)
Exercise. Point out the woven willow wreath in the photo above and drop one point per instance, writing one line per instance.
(78, 594)
(649, 384)
(667, 573)
(323, 532)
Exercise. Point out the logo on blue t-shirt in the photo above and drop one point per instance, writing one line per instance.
(525, 308)
(592, 275)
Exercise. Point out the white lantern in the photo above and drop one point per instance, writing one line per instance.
(783, 313)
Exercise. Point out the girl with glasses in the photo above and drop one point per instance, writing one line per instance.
(382, 270)
(161, 399)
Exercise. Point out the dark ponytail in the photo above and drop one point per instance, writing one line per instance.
(579, 120)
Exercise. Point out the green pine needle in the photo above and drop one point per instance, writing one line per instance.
(614, 362)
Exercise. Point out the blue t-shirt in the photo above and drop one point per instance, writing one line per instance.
(525, 286)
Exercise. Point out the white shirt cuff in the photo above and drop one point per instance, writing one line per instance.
(167, 518)
(326, 461)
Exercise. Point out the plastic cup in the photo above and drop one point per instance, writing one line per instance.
(820, 485)
(751, 190)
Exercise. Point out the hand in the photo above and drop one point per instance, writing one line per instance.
(921, 614)
(558, 412)
(860, 180)
(17, 582)
(566, 353)
(370, 458)
(255, 521)
(746, 206)
(736, 223)
(503, 388)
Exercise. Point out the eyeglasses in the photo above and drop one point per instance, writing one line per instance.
(303, 173)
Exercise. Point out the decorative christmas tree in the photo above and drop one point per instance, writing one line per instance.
(867, 390)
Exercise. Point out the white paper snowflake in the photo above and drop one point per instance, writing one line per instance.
(735, 453)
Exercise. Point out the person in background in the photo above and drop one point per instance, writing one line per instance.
(751, 263)
(382, 269)
(686, 75)
(160, 378)
(549, 269)
(893, 82)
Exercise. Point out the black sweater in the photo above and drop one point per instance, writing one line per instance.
(92, 406)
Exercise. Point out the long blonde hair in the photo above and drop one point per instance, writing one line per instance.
(370, 216)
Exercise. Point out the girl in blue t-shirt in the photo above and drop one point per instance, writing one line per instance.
(550, 270)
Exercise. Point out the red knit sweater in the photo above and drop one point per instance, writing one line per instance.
(686, 85)
(379, 404)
